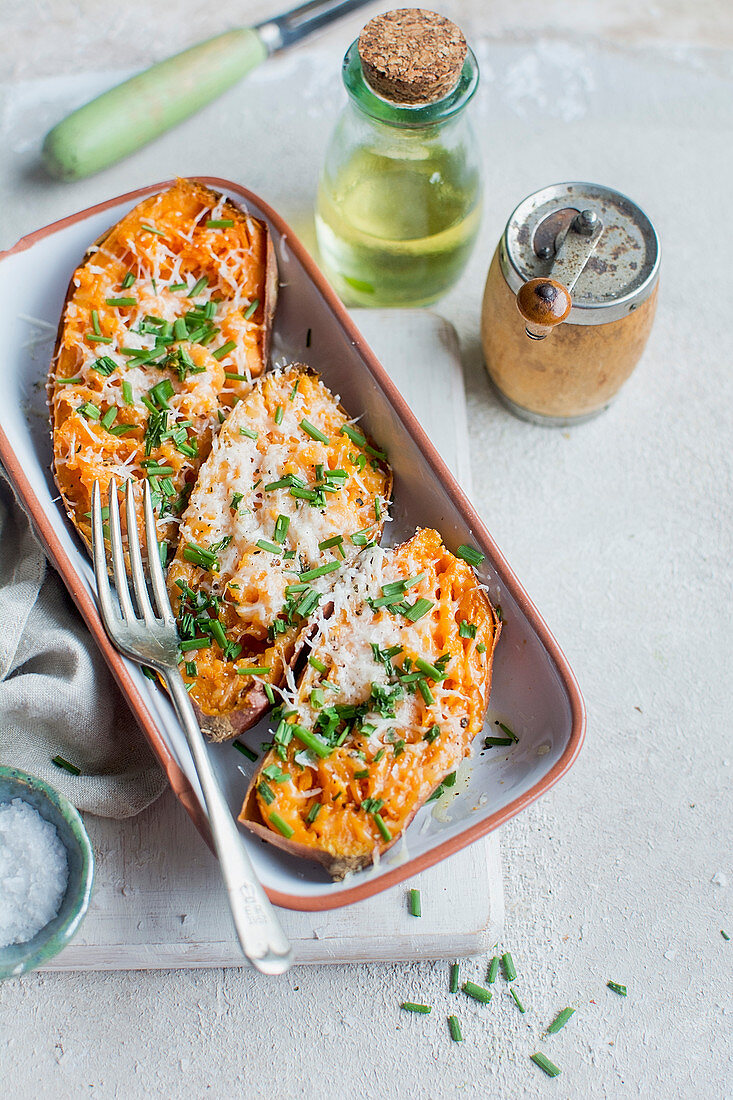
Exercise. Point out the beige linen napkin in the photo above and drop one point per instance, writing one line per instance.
(57, 696)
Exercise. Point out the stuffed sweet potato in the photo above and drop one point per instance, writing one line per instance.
(395, 689)
(166, 321)
(291, 491)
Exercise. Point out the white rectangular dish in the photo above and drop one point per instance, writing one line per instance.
(534, 690)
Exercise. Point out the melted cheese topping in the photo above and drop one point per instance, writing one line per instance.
(267, 499)
(132, 296)
(395, 754)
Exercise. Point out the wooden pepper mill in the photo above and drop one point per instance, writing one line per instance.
(569, 301)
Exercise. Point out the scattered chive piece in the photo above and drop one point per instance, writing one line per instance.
(410, 1006)
(94, 339)
(95, 323)
(335, 540)
(319, 665)
(198, 286)
(281, 826)
(481, 647)
(313, 431)
(270, 547)
(249, 432)
(510, 733)
(128, 280)
(121, 301)
(507, 963)
(313, 812)
(477, 992)
(152, 229)
(425, 691)
(195, 643)
(470, 554)
(270, 694)
(382, 826)
(190, 668)
(249, 311)
(415, 903)
(379, 755)
(489, 742)
(354, 435)
(420, 608)
(266, 793)
(245, 750)
(320, 748)
(279, 413)
(453, 987)
(724, 934)
(430, 670)
(253, 670)
(61, 763)
(493, 969)
(517, 1001)
(294, 390)
(178, 286)
(219, 223)
(127, 393)
(281, 528)
(363, 774)
(224, 349)
(466, 629)
(320, 571)
(560, 1020)
(620, 989)
(68, 381)
(109, 417)
(455, 1029)
(545, 1064)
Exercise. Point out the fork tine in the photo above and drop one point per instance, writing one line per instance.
(136, 562)
(106, 604)
(154, 563)
(118, 557)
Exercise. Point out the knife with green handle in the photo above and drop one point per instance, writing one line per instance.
(123, 119)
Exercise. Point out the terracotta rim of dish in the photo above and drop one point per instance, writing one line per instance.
(87, 607)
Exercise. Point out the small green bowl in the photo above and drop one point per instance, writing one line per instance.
(17, 958)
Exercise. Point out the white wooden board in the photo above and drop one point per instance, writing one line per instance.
(158, 900)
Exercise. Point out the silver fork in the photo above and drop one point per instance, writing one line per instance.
(150, 638)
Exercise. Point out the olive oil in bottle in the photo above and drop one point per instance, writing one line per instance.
(399, 199)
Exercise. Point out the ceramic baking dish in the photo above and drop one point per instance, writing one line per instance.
(534, 690)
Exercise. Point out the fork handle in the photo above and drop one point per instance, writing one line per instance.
(259, 932)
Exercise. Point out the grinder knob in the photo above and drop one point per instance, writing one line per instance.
(543, 303)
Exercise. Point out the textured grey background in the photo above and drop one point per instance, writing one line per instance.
(620, 530)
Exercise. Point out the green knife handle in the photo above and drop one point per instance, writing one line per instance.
(119, 121)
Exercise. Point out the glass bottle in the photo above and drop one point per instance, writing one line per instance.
(399, 199)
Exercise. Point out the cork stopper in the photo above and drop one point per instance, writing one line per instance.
(412, 56)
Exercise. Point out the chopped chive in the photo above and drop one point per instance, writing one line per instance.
(67, 767)
(163, 555)
(121, 301)
(249, 432)
(198, 286)
(195, 643)
(180, 332)
(251, 308)
(506, 730)
(545, 1064)
(94, 339)
(218, 633)
(379, 755)
(493, 969)
(128, 280)
(320, 748)
(313, 431)
(245, 750)
(127, 393)
(279, 413)
(415, 903)
(109, 418)
(152, 229)
(363, 774)
(178, 286)
(418, 609)
(104, 365)
(432, 734)
(481, 647)
(466, 629)
(190, 667)
(560, 1020)
(281, 826)
(320, 571)
(270, 694)
(160, 393)
(477, 992)
(450, 780)
(199, 556)
(68, 381)
(354, 435)
(224, 349)
(490, 742)
(724, 934)
(507, 964)
(335, 540)
(89, 411)
(266, 793)
(263, 544)
(425, 691)
(470, 554)
(377, 509)
(620, 989)
(517, 1001)
(281, 528)
(414, 580)
(95, 323)
(455, 1029)
(219, 223)
(253, 670)
(313, 812)
(317, 664)
(429, 670)
(294, 390)
(410, 1006)
(453, 987)
(382, 826)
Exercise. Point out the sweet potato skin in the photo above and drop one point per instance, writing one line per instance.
(338, 864)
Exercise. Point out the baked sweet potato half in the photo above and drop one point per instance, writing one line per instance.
(291, 492)
(395, 689)
(166, 321)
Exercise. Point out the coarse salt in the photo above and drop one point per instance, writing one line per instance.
(33, 872)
